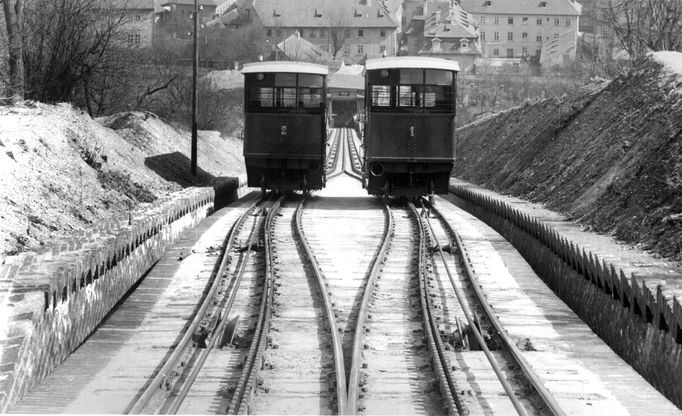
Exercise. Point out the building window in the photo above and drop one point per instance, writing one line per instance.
(323, 34)
(482, 35)
(556, 21)
(138, 17)
(497, 20)
(382, 33)
(524, 36)
(524, 20)
(312, 34)
(538, 38)
(382, 48)
(496, 52)
(556, 35)
(604, 31)
(278, 33)
(346, 50)
(268, 33)
(510, 53)
(483, 20)
(510, 20)
(524, 51)
(510, 36)
(361, 33)
(539, 22)
(568, 22)
(325, 48)
(463, 44)
(137, 39)
(361, 49)
(130, 38)
(496, 36)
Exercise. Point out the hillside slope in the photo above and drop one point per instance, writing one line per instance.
(61, 170)
(609, 155)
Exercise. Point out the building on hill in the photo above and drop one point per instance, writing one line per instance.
(517, 29)
(138, 21)
(443, 29)
(346, 29)
(176, 17)
(595, 30)
(557, 51)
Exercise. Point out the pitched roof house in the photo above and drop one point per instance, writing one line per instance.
(515, 29)
(347, 29)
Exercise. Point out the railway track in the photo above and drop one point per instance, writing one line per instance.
(340, 303)
(227, 316)
(473, 332)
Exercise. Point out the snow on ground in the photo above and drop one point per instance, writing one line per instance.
(61, 170)
(672, 61)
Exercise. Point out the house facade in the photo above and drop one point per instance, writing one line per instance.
(595, 28)
(349, 30)
(517, 29)
(138, 21)
(176, 17)
(443, 29)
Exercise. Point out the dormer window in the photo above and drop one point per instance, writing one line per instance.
(543, 4)
(488, 3)
(380, 13)
(317, 13)
(275, 13)
(357, 13)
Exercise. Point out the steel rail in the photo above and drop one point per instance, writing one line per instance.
(341, 395)
(359, 337)
(332, 171)
(250, 372)
(439, 362)
(354, 155)
(538, 385)
(139, 404)
(475, 330)
(201, 357)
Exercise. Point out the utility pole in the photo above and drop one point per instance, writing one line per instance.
(194, 89)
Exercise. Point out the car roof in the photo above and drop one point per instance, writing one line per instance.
(411, 62)
(285, 66)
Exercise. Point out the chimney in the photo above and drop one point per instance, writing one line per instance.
(435, 45)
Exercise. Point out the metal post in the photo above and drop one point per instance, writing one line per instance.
(194, 90)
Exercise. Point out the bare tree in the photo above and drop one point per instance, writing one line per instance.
(14, 23)
(339, 20)
(643, 25)
(73, 45)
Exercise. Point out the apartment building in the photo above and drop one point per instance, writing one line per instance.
(350, 30)
(595, 28)
(176, 17)
(443, 29)
(514, 29)
(138, 21)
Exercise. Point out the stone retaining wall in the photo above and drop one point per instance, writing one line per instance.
(640, 317)
(56, 298)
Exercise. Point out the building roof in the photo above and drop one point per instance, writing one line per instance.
(208, 3)
(518, 7)
(454, 23)
(132, 4)
(411, 62)
(300, 49)
(323, 13)
(285, 66)
(346, 81)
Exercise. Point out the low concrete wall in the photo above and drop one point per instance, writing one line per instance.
(640, 318)
(58, 297)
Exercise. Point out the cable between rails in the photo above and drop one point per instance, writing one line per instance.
(538, 385)
(166, 372)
